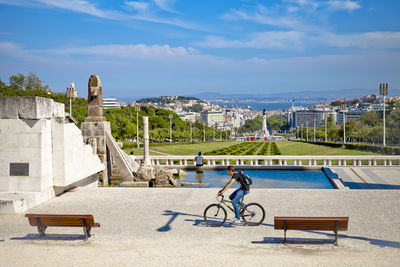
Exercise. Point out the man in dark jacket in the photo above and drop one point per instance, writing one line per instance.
(243, 190)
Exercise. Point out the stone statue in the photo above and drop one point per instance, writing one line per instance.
(95, 100)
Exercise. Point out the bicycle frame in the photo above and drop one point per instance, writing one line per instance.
(225, 201)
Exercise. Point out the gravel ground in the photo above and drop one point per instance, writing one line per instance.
(165, 227)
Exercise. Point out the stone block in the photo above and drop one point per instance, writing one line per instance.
(26, 107)
(58, 109)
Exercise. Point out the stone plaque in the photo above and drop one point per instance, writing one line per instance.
(19, 169)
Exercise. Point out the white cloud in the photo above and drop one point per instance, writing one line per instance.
(85, 7)
(260, 17)
(127, 51)
(376, 40)
(80, 6)
(343, 5)
(262, 40)
(139, 6)
(165, 5)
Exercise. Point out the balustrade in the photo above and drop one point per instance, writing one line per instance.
(370, 161)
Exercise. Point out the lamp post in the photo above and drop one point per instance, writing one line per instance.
(326, 136)
(213, 133)
(383, 91)
(302, 129)
(70, 95)
(170, 116)
(191, 136)
(137, 109)
(314, 121)
(343, 107)
(307, 131)
(204, 132)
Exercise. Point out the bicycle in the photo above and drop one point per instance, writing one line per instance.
(253, 214)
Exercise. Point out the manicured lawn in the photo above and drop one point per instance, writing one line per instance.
(286, 148)
(298, 148)
(184, 149)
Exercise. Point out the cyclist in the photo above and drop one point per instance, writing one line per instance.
(239, 193)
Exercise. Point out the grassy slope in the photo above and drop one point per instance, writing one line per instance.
(297, 148)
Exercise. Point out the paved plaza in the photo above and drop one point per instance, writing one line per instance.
(369, 177)
(165, 227)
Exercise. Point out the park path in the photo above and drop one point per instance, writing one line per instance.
(165, 227)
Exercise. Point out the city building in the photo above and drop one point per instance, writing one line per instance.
(110, 103)
(304, 117)
(213, 118)
(352, 114)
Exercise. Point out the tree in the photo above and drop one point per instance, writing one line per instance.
(34, 83)
(18, 81)
(370, 118)
(276, 123)
(196, 108)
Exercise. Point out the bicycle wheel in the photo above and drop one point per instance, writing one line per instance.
(253, 214)
(215, 215)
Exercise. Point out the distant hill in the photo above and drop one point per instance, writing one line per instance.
(299, 95)
(166, 99)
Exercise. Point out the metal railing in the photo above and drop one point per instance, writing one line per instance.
(322, 161)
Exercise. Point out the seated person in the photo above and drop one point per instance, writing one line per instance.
(199, 160)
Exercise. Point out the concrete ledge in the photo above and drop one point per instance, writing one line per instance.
(241, 167)
(135, 184)
(19, 202)
(88, 181)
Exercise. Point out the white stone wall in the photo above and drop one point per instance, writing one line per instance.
(26, 141)
(54, 150)
(79, 160)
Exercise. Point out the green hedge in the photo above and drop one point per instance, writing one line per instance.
(386, 150)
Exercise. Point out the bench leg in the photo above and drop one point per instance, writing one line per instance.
(41, 228)
(285, 229)
(86, 229)
(336, 233)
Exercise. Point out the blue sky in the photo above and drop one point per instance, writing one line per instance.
(183, 47)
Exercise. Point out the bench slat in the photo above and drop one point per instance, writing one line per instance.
(311, 223)
(62, 220)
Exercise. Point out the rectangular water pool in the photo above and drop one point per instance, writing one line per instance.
(315, 179)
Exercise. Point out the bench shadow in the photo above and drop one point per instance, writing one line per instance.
(289, 240)
(64, 237)
(198, 220)
(278, 240)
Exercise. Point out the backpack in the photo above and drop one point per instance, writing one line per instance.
(245, 181)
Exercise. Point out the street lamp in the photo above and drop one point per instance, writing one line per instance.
(302, 129)
(307, 130)
(314, 121)
(70, 95)
(191, 137)
(204, 132)
(213, 133)
(383, 90)
(326, 136)
(137, 109)
(343, 107)
(170, 116)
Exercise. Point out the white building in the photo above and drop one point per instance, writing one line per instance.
(110, 103)
(213, 118)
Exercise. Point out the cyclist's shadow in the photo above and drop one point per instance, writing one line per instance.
(197, 220)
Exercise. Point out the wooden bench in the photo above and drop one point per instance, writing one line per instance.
(42, 221)
(334, 224)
